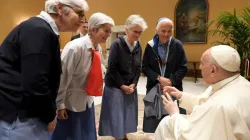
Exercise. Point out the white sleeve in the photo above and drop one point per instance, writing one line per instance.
(103, 63)
(210, 123)
(189, 101)
(69, 60)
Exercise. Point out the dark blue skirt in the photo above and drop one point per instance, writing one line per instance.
(78, 126)
(119, 113)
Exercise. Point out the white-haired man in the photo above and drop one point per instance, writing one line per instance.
(30, 71)
(221, 112)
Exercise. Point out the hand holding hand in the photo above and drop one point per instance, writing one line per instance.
(132, 86)
(127, 89)
(165, 81)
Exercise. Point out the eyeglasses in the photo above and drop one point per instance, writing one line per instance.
(137, 32)
(80, 13)
(107, 31)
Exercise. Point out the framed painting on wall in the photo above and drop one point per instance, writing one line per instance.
(191, 17)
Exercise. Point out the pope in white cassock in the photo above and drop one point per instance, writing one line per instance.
(222, 112)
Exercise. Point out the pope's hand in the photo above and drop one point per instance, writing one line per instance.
(170, 106)
(172, 91)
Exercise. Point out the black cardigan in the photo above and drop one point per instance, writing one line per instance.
(30, 69)
(124, 67)
(176, 67)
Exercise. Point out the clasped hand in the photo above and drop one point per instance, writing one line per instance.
(128, 89)
(164, 82)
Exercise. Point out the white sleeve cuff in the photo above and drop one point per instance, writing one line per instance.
(61, 106)
(174, 115)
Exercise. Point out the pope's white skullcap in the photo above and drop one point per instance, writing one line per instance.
(226, 57)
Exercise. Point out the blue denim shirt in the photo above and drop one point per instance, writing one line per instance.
(162, 50)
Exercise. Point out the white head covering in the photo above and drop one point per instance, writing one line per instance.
(79, 4)
(163, 20)
(98, 19)
(134, 20)
(226, 57)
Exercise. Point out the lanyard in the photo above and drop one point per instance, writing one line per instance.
(163, 69)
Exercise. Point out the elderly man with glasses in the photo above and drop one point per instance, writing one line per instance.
(30, 69)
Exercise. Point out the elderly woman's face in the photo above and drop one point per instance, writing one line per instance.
(134, 33)
(101, 34)
(165, 32)
(71, 20)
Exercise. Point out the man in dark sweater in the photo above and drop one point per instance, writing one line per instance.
(30, 68)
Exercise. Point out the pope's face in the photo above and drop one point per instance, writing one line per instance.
(207, 68)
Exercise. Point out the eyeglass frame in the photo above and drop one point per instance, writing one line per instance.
(80, 13)
(137, 32)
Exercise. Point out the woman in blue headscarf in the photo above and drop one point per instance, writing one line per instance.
(164, 62)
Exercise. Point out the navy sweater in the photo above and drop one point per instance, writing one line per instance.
(30, 69)
(124, 67)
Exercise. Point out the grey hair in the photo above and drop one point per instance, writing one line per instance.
(98, 19)
(134, 20)
(164, 20)
(50, 5)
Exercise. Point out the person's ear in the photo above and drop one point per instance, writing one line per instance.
(126, 29)
(94, 30)
(59, 8)
(214, 69)
(156, 31)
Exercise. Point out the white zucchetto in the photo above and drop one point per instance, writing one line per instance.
(226, 57)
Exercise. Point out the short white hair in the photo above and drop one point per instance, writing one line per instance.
(164, 20)
(134, 20)
(50, 5)
(98, 19)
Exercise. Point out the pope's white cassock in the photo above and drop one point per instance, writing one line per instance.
(222, 112)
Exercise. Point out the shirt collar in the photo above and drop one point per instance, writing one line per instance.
(164, 44)
(81, 35)
(45, 16)
(90, 44)
(161, 44)
(126, 40)
(219, 85)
